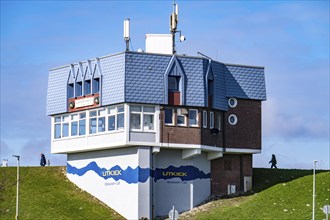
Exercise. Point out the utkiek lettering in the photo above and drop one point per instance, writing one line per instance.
(111, 173)
(174, 173)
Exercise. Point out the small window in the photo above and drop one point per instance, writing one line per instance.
(70, 90)
(232, 119)
(87, 87)
(78, 89)
(120, 117)
(193, 117)
(148, 122)
(211, 120)
(169, 116)
(96, 85)
(82, 123)
(232, 102)
(180, 118)
(204, 119)
(173, 83)
(135, 121)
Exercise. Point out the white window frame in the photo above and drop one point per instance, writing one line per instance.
(197, 121)
(204, 119)
(181, 115)
(211, 120)
(143, 113)
(234, 104)
(235, 119)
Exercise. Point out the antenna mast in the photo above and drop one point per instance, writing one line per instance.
(126, 33)
(173, 24)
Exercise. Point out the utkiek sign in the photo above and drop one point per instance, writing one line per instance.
(84, 102)
(111, 173)
(175, 174)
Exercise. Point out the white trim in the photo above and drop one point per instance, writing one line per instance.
(235, 102)
(235, 119)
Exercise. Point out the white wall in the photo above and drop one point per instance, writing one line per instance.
(119, 195)
(174, 191)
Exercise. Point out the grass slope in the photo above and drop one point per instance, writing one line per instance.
(290, 200)
(45, 193)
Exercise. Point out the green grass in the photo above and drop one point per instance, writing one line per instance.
(286, 200)
(45, 193)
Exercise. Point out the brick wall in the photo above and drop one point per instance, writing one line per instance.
(230, 170)
(247, 132)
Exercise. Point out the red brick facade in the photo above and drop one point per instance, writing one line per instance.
(246, 135)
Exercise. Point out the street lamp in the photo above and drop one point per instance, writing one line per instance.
(313, 216)
(16, 217)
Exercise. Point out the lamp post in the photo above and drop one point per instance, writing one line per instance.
(313, 215)
(17, 190)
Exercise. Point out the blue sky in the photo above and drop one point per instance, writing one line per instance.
(289, 38)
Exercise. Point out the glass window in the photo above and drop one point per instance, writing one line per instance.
(93, 114)
(82, 115)
(78, 89)
(96, 85)
(111, 123)
(87, 87)
(92, 125)
(82, 127)
(211, 119)
(57, 119)
(120, 108)
(65, 129)
(193, 117)
(173, 83)
(57, 131)
(135, 108)
(74, 128)
(204, 119)
(135, 121)
(120, 121)
(148, 122)
(168, 116)
(232, 102)
(148, 109)
(70, 90)
(180, 118)
(232, 119)
(101, 124)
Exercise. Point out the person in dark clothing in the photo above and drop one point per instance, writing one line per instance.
(42, 160)
(273, 161)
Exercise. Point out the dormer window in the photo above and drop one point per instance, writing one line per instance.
(173, 83)
(78, 89)
(174, 94)
(87, 87)
(70, 90)
(96, 85)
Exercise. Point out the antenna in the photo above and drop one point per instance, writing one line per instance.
(174, 19)
(126, 33)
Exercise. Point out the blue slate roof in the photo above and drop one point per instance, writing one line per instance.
(141, 78)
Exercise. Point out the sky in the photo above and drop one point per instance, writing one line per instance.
(289, 38)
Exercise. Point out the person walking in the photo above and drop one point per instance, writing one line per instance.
(42, 160)
(273, 161)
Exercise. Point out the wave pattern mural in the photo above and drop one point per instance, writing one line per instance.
(140, 175)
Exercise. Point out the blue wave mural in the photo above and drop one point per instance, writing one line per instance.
(140, 175)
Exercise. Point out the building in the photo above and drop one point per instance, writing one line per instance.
(147, 131)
